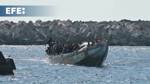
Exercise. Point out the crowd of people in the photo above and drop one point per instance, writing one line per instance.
(55, 48)
(58, 48)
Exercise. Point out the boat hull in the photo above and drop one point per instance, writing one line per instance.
(93, 56)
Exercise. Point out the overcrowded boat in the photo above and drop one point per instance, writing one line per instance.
(86, 54)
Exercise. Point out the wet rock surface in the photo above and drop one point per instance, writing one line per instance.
(124, 32)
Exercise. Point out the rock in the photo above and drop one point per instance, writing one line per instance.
(124, 32)
(6, 65)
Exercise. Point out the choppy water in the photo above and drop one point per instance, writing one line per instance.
(124, 65)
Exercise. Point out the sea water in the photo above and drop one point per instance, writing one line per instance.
(124, 65)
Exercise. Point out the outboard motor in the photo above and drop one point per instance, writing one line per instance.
(6, 65)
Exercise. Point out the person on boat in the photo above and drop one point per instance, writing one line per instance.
(2, 58)
(101, 41)
(98, 40)
(70, 47)
(66, 48)
(75, 46)
(58, 48)
(52, 47)
(50, 42)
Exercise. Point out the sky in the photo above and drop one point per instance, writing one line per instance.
(86, 10)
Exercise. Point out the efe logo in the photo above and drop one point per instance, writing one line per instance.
(15, 10)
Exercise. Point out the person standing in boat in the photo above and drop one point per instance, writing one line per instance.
(50, 42)
(58, 48)
(101, 41)
(51, 46)
(66, 48)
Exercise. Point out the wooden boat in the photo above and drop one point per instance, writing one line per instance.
(92, 56)
(6, 66)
